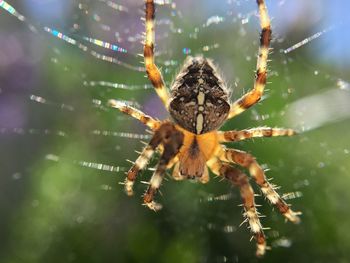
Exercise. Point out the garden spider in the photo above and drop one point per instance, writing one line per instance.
(199, 105)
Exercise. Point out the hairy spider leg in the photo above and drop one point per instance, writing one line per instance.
(140, 164)
(142, 161)
(253, 96)
(137, 114)
(239, 179)
(172, 140)
(152, 70)
(235, 136)
(246, 160)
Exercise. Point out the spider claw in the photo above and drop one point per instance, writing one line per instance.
(153, 206)
(129, 187)
(260, 249)
(292, 216)
(129, 192)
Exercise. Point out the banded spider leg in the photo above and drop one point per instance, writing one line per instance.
(241, 180)
(248, 161)
(253, 96)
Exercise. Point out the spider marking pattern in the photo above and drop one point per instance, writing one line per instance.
(190, 142)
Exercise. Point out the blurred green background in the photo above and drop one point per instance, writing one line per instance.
(56, 209)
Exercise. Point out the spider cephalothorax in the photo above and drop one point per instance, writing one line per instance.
(191, 143)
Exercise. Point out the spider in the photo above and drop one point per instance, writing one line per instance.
(191, 143)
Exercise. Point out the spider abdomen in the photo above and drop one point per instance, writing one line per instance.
(199, 97)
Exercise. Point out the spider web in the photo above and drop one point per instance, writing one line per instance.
(64, 150)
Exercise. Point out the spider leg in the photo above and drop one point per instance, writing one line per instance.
(234, 136)
(153, 73)
(140, 164)
(172, 140)
(253, 96)
(137, 114)
(239, 179)
(161, 134)
(248, 161)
